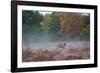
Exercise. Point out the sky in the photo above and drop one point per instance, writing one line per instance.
(44, 13)
(48, 12)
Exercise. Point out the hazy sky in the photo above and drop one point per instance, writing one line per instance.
(44, 13)
(47, 12)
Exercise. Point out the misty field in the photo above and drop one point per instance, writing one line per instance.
(51, 35)
(57, 53)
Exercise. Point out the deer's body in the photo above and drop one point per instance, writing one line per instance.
(61, 45)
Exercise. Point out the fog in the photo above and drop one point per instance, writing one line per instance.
(53, 45)
(47, 41)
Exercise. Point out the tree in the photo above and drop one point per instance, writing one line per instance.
(30, 26)
(53, 26)
(73, 25)
(85, 30)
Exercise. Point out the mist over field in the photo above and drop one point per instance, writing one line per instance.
(50, 36)
(53, 45)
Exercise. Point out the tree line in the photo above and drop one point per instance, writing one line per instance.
(37, 27)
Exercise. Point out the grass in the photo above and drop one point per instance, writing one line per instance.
(34, 55)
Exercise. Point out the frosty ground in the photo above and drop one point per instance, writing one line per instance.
(52, 52)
